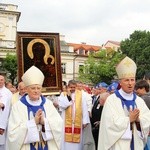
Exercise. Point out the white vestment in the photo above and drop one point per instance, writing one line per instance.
(15, 97)
(115, 133)
(22, 131)
(63, 104)
(88, 100)
(5, 98)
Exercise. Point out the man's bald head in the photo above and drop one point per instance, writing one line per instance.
(21, 88)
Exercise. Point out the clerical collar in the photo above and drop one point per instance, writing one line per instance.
(34, 103)
(126, 95)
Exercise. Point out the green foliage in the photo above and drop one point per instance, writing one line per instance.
(10, 65)
(100, 67)
(137, 47)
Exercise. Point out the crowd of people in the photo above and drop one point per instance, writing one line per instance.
(82, 117)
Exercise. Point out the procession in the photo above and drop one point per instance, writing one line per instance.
(100, 118)
(56, 94)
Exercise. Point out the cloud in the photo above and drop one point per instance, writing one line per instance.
(90, 21)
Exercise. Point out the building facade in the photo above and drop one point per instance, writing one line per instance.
(73, 55)
(9, 16)
(115, 45)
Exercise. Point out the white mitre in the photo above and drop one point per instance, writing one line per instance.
(33, 76)
(126, 68)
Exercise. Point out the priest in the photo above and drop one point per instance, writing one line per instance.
(5, 99)
(76, 117)
(34, 122)
(125, 118)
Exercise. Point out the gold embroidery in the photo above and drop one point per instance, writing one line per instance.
(75, 135)
(41, 143)
(127, 63)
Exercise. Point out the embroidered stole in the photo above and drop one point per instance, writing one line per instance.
(42, 145)
(73, 126)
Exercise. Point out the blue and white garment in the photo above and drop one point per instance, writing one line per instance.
(127, 106)
(42, 145)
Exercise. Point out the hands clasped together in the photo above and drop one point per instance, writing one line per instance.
(39, 117)
(134, 115)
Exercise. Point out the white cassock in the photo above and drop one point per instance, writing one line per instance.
(63, 104)
(88, 100)
(115, 133)
(5, 98)
(22, 132)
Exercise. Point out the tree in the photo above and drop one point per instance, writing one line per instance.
(100, 67)
(137, 47)
(10, 65)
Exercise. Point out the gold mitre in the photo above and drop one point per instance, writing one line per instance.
(33, 76)
(126, 68)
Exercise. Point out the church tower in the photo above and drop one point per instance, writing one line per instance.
(9, 16)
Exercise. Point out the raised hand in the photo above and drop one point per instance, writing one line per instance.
(1, 106)
(1, 131)
(68, 91)
(42, 118)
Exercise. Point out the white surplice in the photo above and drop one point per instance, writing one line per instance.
(63, 104)
(22, 132)
(5, 98)
(115, 133)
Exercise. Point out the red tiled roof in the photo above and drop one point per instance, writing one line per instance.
(85, 47)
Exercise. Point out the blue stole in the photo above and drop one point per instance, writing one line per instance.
(128, 103)
(33, 110)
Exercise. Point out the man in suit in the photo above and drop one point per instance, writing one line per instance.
(97, 109)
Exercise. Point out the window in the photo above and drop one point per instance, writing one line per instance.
(2, 27)
(81, 52)
(81, 68)
(63, 68)
(91, 52)
(86, 52)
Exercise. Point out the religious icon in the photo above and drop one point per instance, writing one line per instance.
(43, 51)
(46, 48)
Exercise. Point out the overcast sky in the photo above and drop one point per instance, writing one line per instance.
(90, 21)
